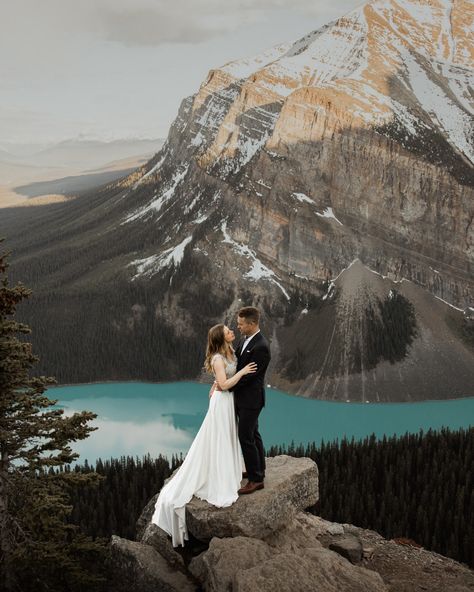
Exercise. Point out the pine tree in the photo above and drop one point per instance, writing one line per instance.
(38, 549)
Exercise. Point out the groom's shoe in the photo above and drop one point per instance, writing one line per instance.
(251, 487)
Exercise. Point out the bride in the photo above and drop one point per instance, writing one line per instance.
(212, 469)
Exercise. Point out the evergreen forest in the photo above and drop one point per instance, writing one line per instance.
(417, 486)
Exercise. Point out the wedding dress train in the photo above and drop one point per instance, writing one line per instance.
(212, 469)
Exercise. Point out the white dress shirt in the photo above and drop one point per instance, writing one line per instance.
(246, 342)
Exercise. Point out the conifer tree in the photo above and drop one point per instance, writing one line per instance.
(38, 549)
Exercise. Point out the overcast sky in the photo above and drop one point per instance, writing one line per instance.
(112, 69)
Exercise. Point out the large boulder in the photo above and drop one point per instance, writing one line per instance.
(161, 542)
(217, 568)
(251, 565)
(136, 566)
(349, 546)
(305, 528)
(291, 484)
(145, 517)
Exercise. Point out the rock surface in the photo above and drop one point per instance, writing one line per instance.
(136, 566)
(157, 538)
(298, 555)
(348, 546)
(247, 564)
(291, 484)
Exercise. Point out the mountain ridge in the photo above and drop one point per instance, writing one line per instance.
(263, 197)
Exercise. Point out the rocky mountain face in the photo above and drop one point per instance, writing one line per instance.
(270, 541)
(329, 181)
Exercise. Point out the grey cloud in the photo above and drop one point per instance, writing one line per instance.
(150, 28)
(152, 22)
(144, 22)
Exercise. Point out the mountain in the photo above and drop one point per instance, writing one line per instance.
(329, 181)
(59, 169)
(77, 153)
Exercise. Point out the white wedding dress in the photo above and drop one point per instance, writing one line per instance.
(212, 469)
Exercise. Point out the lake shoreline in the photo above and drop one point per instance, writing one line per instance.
(145, 417)
(163, 382)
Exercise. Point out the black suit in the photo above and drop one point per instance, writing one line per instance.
(249, 399)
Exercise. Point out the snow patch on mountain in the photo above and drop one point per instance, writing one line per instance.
(258, 271)
(216, 109)
(328, 213)
(331, 54)
(151, 265)
(457, 124)
(152, 171)
(302, 197)
(159, 199)
(246, 66)
(193, 203)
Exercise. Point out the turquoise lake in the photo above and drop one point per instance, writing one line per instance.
(136, 418)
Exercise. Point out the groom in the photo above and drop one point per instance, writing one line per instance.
(249, 395)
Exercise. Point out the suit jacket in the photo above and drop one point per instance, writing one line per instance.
(249, 392)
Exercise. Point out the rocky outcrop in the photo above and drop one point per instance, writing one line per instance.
(134, 566)
(269, 541)
(291, 485)
(251, 565)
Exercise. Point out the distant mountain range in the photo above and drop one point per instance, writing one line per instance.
(81, 154)
(329, 181)
(30, 170)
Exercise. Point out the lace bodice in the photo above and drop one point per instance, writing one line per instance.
(230, 367)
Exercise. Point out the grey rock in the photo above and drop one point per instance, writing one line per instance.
(302, 532)
(145, 517)
(249, 565)
(335, 528)
(135, 566)
(216, 568)
(368, 552)
(161, 541)
(314, 569)
(291, 484)
(349, 546)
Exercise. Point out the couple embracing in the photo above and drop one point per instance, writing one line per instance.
(213, 467)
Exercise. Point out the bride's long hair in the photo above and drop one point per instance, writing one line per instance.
(216, 344)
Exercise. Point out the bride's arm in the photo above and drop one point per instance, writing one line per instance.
(225, 383)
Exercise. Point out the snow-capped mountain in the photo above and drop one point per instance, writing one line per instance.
(406, 63)
(400, 71)
(329, 181)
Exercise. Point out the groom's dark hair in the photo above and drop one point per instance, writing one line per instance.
(250, 313)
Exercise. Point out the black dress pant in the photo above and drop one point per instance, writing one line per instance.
(251, 443)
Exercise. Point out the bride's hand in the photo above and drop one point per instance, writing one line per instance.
(250, 368)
